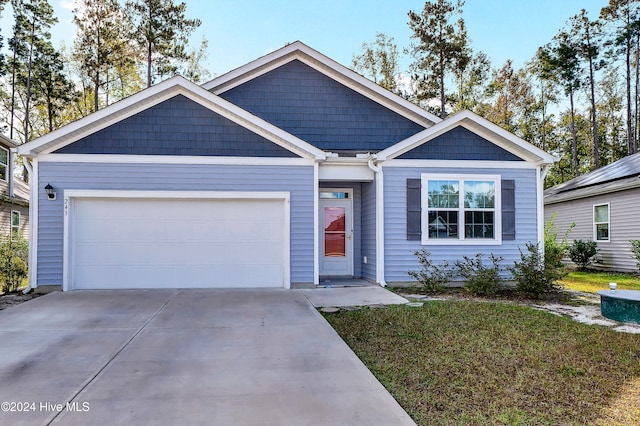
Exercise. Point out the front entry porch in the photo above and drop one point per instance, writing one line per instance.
(346, 234)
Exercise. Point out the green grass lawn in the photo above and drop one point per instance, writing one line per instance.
(464, 362)
(591, 282)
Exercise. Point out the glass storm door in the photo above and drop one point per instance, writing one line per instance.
(336, 235)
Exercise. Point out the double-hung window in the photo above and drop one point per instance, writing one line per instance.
(461, 209)
(601, 222)
(4, 164)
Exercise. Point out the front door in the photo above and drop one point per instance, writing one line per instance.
(336, 232)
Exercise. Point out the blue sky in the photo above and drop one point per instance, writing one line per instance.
(242, 30)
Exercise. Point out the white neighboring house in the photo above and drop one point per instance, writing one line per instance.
(605, 206)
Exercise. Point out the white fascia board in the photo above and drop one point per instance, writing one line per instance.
(457, 164)
(8, 142)
(328, 67)
(155, 95)
(174, 159)
(478, 125)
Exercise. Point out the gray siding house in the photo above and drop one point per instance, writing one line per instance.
(14, 194)
(280, 173)
(604, 204)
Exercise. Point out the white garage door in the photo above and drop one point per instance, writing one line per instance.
(177, 243)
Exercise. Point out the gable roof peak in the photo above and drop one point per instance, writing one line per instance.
(327, 66)
(154, 95)
(478, 125)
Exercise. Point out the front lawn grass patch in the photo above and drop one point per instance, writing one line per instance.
(467, 362)
(592, 282)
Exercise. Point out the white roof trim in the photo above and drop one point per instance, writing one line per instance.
(478, 125)
(330, 68)
(155, 95)
(8, 142)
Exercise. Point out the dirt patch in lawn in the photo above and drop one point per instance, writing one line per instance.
(580, 306)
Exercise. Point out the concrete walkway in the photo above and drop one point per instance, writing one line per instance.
(228, 357)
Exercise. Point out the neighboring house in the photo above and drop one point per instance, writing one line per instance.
(279, 173)
(604, 206)
(14, 194)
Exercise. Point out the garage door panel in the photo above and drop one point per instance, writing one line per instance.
(160, 243)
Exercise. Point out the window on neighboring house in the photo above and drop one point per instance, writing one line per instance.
(15, 224)
(4, 163)
(461, 208)
(601, 222)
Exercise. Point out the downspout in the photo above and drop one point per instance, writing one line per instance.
(316, 219)
(542, 172)
(12, 153)
(33, 205)
(379, 220)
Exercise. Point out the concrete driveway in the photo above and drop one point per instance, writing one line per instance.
(228, 357)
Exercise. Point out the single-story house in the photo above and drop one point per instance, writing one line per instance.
(602, 204)
(282, 172)
(14, 194)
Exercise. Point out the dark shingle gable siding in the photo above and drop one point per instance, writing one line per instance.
(321, 111)
(459, 144)
(177, 126)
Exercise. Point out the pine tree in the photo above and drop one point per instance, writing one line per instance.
(624, 17)
(585, 34)
(101, 47)
(162, 30)
(561, 64)
(33, 19)
(440, 48)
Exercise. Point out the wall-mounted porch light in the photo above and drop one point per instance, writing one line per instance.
(50, 192)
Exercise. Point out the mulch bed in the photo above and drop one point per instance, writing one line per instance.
(12, 299)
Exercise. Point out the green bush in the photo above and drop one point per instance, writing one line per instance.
(432, 277)
(479, 278)
(554, 250)
(14, 260)
(583, 253)
(635, 250)
(533, 275)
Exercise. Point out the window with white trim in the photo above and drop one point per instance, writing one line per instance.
(15, 224)
(461, 208)
(601, 222)
(4, 163)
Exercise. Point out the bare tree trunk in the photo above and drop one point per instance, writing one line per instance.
(594, 123)
(637, 85)
(149, 50)
(13, 88)
(631, 146)
(28, 100)
(574, 140)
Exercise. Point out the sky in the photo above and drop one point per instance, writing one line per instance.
(240, 31)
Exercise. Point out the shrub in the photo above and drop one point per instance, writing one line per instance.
(533, 275)
(480, 279)
(555, 250)
(14, 258)
(432, 277)
(583, 253)
(635, 250)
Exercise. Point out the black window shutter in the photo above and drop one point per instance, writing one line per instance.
(414, 210)
(508, 209)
